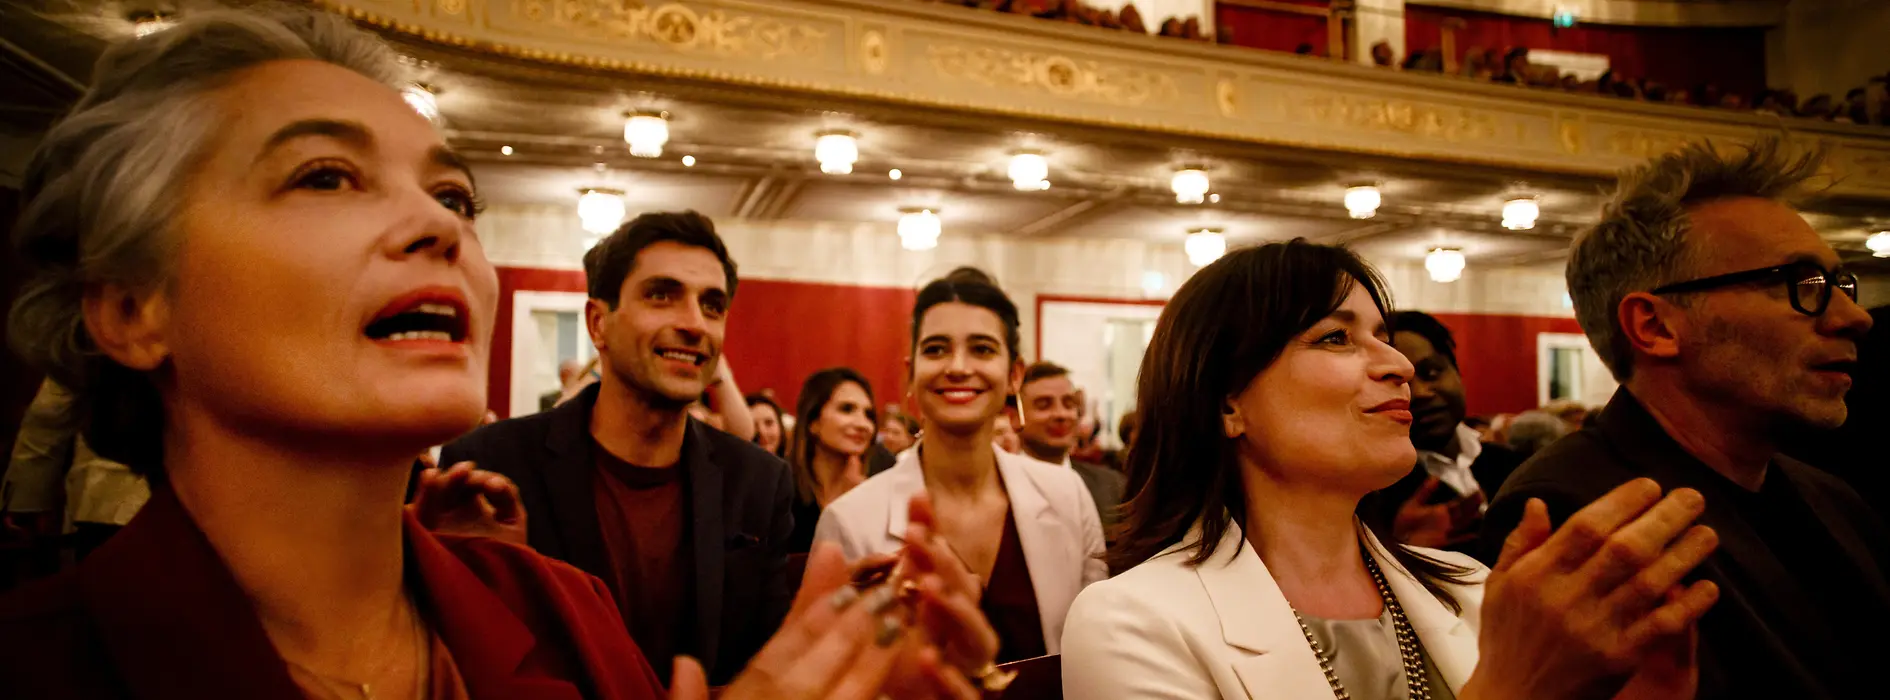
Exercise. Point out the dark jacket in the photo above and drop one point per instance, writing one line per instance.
(1760, 637)
(1105, 488)
(154, 614)
(739, 519)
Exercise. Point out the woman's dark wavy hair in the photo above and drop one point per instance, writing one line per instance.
(968, 285)
(815, 393)
(753, 400)
(1221, 329)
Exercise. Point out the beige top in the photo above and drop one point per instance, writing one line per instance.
(1365, 655)
(48, 456)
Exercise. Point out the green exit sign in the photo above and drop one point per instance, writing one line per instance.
(1563, 18)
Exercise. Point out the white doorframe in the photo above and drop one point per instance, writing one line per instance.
(1546, 343)
(525, 350)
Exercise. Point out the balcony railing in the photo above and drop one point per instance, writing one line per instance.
(939, 56)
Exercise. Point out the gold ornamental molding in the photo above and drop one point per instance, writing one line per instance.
(936, 56)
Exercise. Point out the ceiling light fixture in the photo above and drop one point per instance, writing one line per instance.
(505, 150)
(423, 98)
(1879, 244)
(1444, 264)
(1028, 170)
(1153, 282)
(646, 131)
(1205, 245)
(836, 150)
(600, 210)
(919, 228)
(1362, 201)
(894, 174)
(689, 161)
(1190, 184)
(1520, 214)
(146, 23)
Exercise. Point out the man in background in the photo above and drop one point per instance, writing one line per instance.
(1049, 404)
(567, 372)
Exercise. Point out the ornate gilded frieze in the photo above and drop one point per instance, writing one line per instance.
(935, 55)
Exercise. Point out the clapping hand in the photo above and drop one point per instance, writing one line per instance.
(467, 501)
(1597, 607)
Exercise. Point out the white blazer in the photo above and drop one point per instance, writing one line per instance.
(1223, 630)
(1056, 522)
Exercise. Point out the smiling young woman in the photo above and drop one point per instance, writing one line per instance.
(256, 269)
(833, 426)
(1026, 528)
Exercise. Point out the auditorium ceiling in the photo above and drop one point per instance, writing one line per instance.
(537, 136)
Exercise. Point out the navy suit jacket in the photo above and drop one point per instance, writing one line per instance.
(739, 509)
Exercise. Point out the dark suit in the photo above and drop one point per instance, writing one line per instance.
(1778, 630)
(1105, 488)
(739, 519)
(154, 614)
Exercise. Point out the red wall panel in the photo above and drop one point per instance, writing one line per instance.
(1274, 31)
(1497, 356)
(1681, 57)
(780, 332)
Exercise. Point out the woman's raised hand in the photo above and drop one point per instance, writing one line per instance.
(1577, 612)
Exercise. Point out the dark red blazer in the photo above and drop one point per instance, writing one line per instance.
(154, 613)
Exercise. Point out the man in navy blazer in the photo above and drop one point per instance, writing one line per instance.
(687, 525)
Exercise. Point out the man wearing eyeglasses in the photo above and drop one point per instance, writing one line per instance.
(1732, 327)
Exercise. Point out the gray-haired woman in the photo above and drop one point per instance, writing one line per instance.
(256, 268)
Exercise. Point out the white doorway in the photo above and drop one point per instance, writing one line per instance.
(1101, 342)
(1568, 368)
(547, 329)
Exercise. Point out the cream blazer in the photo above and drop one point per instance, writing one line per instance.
(1223, 630)
(1056, 522)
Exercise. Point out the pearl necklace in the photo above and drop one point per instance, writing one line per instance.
(1414, 677)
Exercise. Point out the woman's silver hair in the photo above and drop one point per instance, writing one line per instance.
(1641, 241)
(106, 182)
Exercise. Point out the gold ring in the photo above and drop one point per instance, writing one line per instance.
(992, 679)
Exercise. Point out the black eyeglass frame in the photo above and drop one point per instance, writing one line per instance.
(1836, 278)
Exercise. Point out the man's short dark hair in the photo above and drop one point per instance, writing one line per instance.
(608, 263)
(1042, 370)
(1427, 326)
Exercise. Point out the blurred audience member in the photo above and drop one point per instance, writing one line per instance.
(1005, 436)
(1440, 502)
(568, 372)
(898, 432)
(1050, 407)
(1572, 412)
(1482, 426)
(1382, 55)
(52, 465)
(1534, 430)
(769, 432)
(834, 424)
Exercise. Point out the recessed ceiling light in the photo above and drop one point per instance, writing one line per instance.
(1214, 198)
(689, 161)
(505, 150)
(894, 174)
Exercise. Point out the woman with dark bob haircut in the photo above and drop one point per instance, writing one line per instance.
(1271, 401)
(255, 267)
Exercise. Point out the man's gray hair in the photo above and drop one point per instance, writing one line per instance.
(1534, 430)
(103, 187)
(1640, 242)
